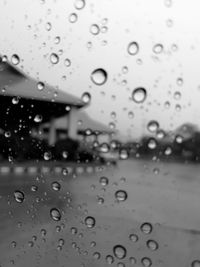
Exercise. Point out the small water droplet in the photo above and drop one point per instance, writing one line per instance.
(133, 48)
(47, 155)
(73, 17)
(38, 118)
(94, 29)
(119, 252)
(19, 196)
(56, 186)
(132, 260)
(153, 126)
(139, 95)
(133, 237)
(146, 262)
(152, 245)
(86, 97)
(54, 58)
(99, 76)
(158, 48)
(96, 255)
(121, 195)
(40, 86)
(15, 100)
(146, 228)
(152, 143)
(55, 214)
(90, 222)
(79, 4)
(109, 259)
(67, 62)
(15, 59)
(104, 181)
(123, 154)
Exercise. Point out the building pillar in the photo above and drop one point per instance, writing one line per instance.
(52, 133)
(72, 123)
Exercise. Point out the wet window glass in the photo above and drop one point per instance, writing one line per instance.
(99, 133)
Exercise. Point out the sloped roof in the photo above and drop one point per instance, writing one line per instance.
(16, 83)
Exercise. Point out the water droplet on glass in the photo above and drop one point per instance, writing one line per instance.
(124, 69)
(195, 263)
(152, 143)
(109, 259)
(168, 151)
(55, 214)
(133, 48)
(123, 154)
(177, 95)
(121, 195)
(40, 86)
(153, 126)
(179, 139)
(139, 95)
(73, 17)
(19, 196)
(86, 97)
(104, 181)
(54, 58)
(67, 62)
(133, 237)
(99, 76)
(179, 81)
(96, 255)
(90, 222)
(132, 260)
(146, 262)
(15, 100)
(47, 155)
(146, 228)
(7, 134)
(119, 252)
(94, 29)
(38, 118)
(15, 59)
(79, 4)
(152, 245)
(55, 186)
(48, 26)
(158, 48)
(168, 3)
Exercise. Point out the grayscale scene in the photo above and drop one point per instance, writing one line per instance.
(99, 133)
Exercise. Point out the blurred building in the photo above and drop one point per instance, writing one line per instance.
(26, 103)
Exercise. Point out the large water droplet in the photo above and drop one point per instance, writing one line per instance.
(133, 48)
(119, 252)
(139, 95)
(19, 196)
(55, 214)
(121, 195)
(99, 76)
(15, 59)
(90, 222)
(47, 155)
(195, 263)
(54, 58)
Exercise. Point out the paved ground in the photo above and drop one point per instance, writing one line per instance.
(165, 195)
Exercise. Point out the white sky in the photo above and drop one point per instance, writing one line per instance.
(23, 32)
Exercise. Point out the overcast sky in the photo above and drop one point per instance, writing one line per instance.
(25, 31)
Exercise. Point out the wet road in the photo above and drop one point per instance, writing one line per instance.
(164, 195)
